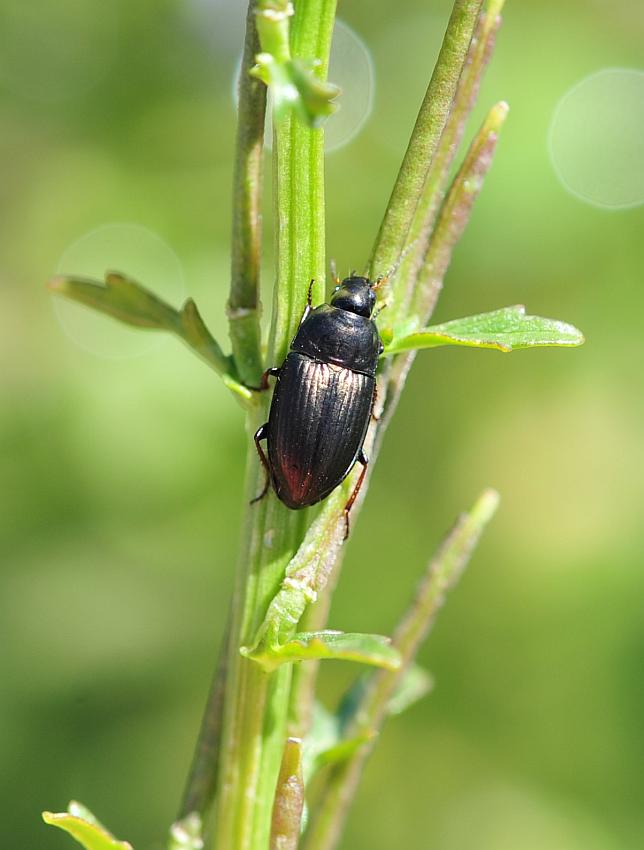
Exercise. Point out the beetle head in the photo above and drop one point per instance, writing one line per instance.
(356, 295)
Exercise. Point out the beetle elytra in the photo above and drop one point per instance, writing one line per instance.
(323, 399)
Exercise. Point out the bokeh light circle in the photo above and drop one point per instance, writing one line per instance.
(135, 251)
(596, 138)
(50, 52)
(351, 68)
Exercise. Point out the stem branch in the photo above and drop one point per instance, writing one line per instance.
(425, 138)
(441, 574)
(243, 302)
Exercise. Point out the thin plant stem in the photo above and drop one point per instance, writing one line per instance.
(433, 115)
(298, 177)
(478, 57)
(425, 138)
(256, 702)
(243, 302)
(455, 212)
(452, 220)
(200, 786)
(442, 572)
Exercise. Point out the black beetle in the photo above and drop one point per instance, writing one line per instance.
(323, 399)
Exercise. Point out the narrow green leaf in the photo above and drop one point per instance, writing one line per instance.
(78, 810)
(413, 685)
(508, 329)
(366, 649)
(126, 300)
(325, 744)
(119, 297)
(83, 826)
(343, 750)
(323, 734)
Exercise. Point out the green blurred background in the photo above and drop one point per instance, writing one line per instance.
(121, 457)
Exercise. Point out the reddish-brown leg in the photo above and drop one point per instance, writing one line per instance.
(364, 460)
(373, 403)
(263, 384)
(261, 434)
(273, 372)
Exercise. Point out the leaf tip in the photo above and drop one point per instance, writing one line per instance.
(186, 834)
(112, 277)
(498, 114)
(54, 283)
(486, 505)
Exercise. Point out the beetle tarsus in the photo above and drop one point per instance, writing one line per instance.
(261, 434)
(364, 460)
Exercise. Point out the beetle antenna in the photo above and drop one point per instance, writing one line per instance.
(334, 271)
(394, 268)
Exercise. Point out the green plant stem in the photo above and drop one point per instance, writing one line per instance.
(253, 734)
(256, 702)
(455, 212)
(200, 786)
(430, 123)
(452, 220)
(298, 176)
(443, 571)
(425, 138)
(478, 56)
(243, 302)
(451, 223)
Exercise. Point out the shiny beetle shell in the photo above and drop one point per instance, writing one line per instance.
(323, 398)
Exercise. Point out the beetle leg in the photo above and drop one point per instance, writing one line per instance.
(273, 372)
(309, 301)
(309, 294)
(263, 384)
(378, 311)
(374, 416)
(261, 434)
(364, 460)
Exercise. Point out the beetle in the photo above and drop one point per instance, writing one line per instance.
(323, 399)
